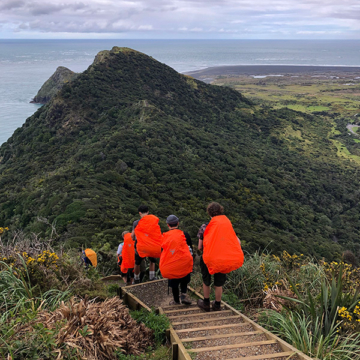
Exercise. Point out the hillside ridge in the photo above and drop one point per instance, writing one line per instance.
(130, 130)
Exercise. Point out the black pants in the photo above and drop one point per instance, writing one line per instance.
(174, 284)
(219, 278)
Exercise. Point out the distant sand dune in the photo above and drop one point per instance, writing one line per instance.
(269, 70)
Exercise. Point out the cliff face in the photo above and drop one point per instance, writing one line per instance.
(61, 76)
(130, 130)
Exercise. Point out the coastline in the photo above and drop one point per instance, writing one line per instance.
(259, 70)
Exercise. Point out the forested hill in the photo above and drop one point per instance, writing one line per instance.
(130, 130)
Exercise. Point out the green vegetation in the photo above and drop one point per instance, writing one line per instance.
(130, 130)
(298, 330)
(323, 322)
(43, 318)
(19, 306)
(160, 353)
(158, 323)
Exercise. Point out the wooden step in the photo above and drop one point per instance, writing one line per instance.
(207, 320)
(200, 314)
(211, 327)
(213, 337)
(180, 306)
(182, 309)
(266, 356)
(234, 346)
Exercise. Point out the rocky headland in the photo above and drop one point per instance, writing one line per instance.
(61, 76)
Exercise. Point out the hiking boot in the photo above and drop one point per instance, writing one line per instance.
(136, 281)
(185, 299)
(215, 308)
(203, 305)
(173, 302)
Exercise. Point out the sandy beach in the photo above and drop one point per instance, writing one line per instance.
(258, 70)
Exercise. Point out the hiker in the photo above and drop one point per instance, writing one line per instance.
(176, 261)
(222, 254)
(120, 260)
(88, 256)
(119, 256)
(128, 258)
(147, 236)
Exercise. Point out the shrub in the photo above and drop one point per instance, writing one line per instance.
(158, 323)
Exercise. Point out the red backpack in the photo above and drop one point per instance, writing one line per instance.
(176, 260)
(148, 237)
(222, 250)
(128, 253)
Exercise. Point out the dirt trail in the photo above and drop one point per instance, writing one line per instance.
(350, 128)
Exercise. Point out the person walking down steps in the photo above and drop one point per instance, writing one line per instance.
(128, 258)
(176, 261)
(88, 257)
(222, 254)
(147, 236)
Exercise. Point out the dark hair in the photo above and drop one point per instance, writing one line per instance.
(215, 209)
(174, 224)
(143, 209)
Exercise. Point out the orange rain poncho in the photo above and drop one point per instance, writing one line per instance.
(176, 260)
(222, 250)
(91, 255)
(128, 253)
(148, 237)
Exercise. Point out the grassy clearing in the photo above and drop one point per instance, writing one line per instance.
(290, 132)
(342, 151)
(305, 93)
(318, 108)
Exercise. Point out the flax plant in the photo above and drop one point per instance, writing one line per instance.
(306, 334)
(325, 306)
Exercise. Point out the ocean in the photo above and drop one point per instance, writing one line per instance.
(26, 64)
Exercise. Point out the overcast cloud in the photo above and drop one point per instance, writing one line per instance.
(212, 19)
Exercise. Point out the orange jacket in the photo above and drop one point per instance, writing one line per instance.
(128, 253)
(148, 237)
(176, 260)
(222, 250)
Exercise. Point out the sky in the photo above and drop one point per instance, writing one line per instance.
(180, 19)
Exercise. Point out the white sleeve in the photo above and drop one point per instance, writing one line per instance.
(119, 250)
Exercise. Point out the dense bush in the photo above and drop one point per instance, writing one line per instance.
(130, 130)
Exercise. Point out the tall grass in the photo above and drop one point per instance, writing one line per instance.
(248, 281)
(306, 334)
(17, 293)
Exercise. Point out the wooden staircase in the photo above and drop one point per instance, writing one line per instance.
(218, 335)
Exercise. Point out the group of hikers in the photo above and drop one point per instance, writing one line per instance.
(221, 254)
